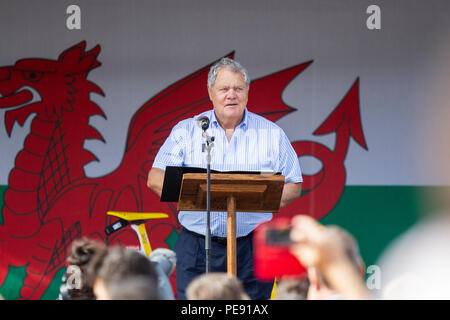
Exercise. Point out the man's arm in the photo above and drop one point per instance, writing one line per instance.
(291, 191)
(155, 180)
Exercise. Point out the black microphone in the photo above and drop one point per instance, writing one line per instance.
(203, 122)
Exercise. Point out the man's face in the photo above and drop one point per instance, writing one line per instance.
(229, 95)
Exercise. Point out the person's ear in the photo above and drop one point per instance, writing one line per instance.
(209, 93)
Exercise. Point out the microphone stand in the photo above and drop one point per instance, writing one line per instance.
(208, 146)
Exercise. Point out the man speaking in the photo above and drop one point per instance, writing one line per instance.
(243, 141)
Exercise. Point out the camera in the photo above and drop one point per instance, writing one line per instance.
(272, 257)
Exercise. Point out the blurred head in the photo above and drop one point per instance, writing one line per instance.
(292, 289)
(81, 256)
(131, 288)
(351, 249)
(117, 265)
(319, 287)
(216, 286)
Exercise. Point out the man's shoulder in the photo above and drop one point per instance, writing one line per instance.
(261, 121)
(185, 123)
(190, 123)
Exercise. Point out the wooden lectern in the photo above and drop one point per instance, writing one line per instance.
(232, 193)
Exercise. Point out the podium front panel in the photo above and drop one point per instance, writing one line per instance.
(253, 192)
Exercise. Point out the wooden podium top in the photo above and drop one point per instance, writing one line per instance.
(253, 192)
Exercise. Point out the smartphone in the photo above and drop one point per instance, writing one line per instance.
(272, 257)
(278, 237)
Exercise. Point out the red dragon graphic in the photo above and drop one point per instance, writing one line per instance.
(50, 202)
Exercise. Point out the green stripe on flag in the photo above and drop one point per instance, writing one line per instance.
(375, 215)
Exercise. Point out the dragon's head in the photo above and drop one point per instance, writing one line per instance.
(46, 87)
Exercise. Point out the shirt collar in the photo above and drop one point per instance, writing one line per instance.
(243, 124)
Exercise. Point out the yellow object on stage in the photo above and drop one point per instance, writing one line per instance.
(140, 228)
(144, 239)
(130, 216)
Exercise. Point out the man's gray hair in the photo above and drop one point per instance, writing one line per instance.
(230, 64)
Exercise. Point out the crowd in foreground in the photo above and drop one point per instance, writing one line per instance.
(334, 270)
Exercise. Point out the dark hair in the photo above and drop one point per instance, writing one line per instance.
(81, 255)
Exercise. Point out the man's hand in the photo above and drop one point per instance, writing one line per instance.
(155, 180)
(291, 191)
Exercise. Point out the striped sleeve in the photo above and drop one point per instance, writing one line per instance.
(172, 152)
(288, 159)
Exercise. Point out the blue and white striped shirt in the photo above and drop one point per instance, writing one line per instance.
(257, 144)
